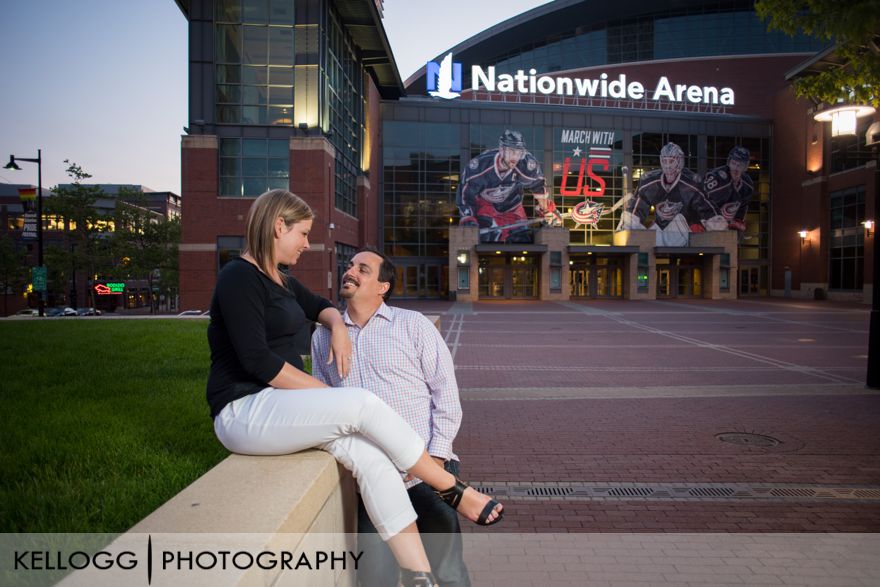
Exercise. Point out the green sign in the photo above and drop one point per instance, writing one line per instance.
(38, 278)
(116, 287)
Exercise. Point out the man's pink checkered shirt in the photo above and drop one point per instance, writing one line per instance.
(401, 357)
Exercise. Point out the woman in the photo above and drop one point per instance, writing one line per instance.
(264, 404)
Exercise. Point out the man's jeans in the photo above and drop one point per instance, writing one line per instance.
(441, 535)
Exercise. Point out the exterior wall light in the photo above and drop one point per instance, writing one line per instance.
(843, 118)
(803, 234)
(869, 227)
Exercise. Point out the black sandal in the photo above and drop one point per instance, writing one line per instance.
(417, 578)
(454, 494)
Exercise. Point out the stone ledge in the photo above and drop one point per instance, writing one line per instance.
(252, 494)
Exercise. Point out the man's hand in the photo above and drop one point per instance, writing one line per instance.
(737, 225)
(340, 349)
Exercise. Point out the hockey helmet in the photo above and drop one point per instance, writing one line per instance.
(740, 154)
(512, 139)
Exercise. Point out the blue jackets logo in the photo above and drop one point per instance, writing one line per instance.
(444, 78)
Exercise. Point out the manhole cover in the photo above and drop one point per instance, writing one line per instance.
(748, 439)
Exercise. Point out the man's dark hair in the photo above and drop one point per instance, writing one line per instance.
(386, 270)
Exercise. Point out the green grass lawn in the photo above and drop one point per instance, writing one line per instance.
(101, 421)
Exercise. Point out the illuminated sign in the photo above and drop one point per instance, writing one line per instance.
(443, 80)
(109, 288)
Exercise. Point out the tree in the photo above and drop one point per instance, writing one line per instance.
(85, 249)
(13, 270)
(853, 26)
(145, 243)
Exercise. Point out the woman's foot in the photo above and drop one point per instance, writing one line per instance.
(473, 505)
(417, 578)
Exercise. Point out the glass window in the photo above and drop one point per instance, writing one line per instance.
(642, 273)
(249, 167)
(228, 248)
(344, 96)
(847, 250)
(420, 183)
(254, 62)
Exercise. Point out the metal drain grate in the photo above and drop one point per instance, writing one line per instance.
(547, 491)
(793, 492)
(711, 492)
(630, 491)
(680, 491)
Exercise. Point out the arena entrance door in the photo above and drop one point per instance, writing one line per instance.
(426, 278)
(508, 276)
(595, 276)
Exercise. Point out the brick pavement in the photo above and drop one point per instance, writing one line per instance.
(636, 392)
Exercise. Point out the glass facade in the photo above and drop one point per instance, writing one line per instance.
(249, 167)
(662, 36)
(422, 162)
(847, 239)
(254, 56)
(344, 97)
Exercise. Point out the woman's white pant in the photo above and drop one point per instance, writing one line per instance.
(364, 434)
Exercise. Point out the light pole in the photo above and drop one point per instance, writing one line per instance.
(39, 161)
(843, 122)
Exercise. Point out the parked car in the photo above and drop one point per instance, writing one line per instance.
(190, 313)
(28, 312)
(87, 312)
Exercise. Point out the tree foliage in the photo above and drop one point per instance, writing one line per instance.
(13, 269)
(145, 243)
(853, 26)
(85, 247)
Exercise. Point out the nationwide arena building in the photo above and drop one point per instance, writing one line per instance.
(633, 150)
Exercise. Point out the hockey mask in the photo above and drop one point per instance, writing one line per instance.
(671, 161)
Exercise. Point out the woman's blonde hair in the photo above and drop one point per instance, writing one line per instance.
(261, 219)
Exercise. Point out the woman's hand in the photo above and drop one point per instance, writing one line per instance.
(340, 349)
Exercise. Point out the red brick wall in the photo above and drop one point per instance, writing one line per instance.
(312, 177)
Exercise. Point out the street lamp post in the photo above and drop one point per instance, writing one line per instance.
(39, 161)
(843, 122)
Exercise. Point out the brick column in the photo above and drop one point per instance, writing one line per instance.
(464, 238)
(556, 239)
(198, 210)
(645, 240)
(312, 177)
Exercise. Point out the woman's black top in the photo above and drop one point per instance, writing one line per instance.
(254, 323)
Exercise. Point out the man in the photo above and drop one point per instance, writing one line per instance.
(400, 356)
(728, 190)
(491, 191)
(672, 191)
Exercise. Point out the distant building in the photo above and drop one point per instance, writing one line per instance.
(79, 291)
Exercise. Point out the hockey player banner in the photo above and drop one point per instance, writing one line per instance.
(684, 203)
(492, 189)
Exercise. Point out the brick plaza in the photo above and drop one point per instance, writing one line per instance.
(634, 398)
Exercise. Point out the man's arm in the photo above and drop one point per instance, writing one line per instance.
(439, 373)
(320, 368)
